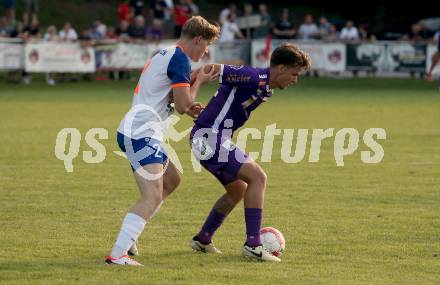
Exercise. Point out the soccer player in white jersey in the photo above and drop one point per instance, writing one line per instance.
(165, 78)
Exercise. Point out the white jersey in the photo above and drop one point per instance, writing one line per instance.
(152, 97)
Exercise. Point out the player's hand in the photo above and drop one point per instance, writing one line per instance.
(211, 75)
(429, 76)
(195, 110)
(193, 75)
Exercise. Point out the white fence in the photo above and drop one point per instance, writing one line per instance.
(329, 57)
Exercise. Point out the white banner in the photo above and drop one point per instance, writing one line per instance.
(404, 57)
(234, 52)
(11, 56)
(59, 57)
(121, 56)
(335, 57)
(257, 54)
(132, 56)
(252, 21)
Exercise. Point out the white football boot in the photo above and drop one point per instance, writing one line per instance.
(123, 260)
(259, 253)
(196, 245)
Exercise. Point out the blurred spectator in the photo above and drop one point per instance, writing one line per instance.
(230, 30)
(182, 13)
(111, 33)
(122, 31)
(9, 6)
(68, 33)
(18, 31)
(138, 30)
(154, 32)
(5, 28)
(138, 6)
(101, 27)
(283, 28)
(364, 34)
(169, 11)
(98, 31)
(50, 36)
(248, 11)
(325, 28)
(349, 32)
(333, 35)
(124, 13)
(308, 30)
(194, 9)
(31, 8)
(33, 30)
(266, 23)
(85, 35)
(158, 9)
(92, 34)
(418, 33)
(168, 25)
(436, 37)
(232, 8)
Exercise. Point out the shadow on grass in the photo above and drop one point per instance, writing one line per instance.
(199, 257)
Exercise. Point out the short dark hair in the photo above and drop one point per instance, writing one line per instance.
(290, 55)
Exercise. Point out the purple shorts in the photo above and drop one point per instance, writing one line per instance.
(217, 153)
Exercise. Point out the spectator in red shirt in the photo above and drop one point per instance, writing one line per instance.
(124, 12)
(182, 13)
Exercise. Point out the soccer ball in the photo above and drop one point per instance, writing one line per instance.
(273, 240)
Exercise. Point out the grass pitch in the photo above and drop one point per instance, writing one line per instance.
(357, 224)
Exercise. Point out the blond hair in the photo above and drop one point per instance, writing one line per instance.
(198, 26)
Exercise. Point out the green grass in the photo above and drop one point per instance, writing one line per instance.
(357, 224)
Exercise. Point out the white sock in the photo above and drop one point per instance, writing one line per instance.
(131, 228)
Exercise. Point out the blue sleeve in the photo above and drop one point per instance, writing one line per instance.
(239, 76)
(179, 68)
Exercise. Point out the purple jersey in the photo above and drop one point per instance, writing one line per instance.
(242, 90)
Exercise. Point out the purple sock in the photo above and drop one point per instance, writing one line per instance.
(253, 217)
(212, 223)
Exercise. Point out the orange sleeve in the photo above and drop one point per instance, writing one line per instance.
(184, 84)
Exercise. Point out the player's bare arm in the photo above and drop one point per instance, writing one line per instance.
(184, 96)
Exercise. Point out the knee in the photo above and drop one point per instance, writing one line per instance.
(260, 177)
(254, 174)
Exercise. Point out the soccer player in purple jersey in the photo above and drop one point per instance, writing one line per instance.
(242, 89)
